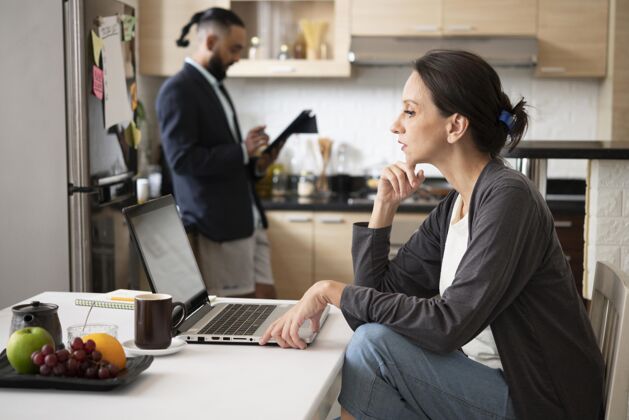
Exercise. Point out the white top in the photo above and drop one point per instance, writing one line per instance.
(216, 381)
(481, 348)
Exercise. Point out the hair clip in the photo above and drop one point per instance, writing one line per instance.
(507, 119)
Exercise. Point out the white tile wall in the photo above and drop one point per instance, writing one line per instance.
(359, 111)
(608, 217)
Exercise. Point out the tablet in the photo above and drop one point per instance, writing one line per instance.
(306, 122)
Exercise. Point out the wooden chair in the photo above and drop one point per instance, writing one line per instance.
(609, 315)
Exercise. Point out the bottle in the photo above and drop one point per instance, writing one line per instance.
(306, 184)
(283, 55)
(253, 49)
(299, 48)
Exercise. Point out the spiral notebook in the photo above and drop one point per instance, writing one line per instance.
(118, 299)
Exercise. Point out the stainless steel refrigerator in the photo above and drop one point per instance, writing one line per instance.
(101, 164)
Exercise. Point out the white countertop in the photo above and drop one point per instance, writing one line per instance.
(215, 381)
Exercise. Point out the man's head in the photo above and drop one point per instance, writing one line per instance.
(222, 38)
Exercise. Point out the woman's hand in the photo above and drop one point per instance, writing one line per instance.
(285, 330)
(397, 182)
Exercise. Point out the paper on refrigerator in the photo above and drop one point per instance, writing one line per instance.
(117, 105)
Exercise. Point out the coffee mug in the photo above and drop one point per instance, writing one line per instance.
(154, 324)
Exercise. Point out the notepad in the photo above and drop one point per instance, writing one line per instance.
(118, 299)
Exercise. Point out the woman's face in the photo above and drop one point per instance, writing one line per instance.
(420, 127)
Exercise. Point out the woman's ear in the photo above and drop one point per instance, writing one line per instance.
(456, 127)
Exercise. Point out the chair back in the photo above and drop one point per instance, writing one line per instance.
(609, 314)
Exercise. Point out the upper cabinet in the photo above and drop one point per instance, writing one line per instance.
(396, 17)
(286, 38)
(160, 23)
(572, 38)
(490, 17)
(444, 17)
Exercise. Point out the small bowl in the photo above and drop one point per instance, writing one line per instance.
(77, 330)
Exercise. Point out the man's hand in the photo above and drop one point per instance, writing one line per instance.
(256, 138)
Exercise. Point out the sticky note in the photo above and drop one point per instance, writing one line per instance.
(133, 92)
(97, 82)
(128, 27)
(132, 135)
(97, 46)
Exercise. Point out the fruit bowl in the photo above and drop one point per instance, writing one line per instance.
(9, 378)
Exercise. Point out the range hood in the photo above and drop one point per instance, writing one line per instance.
(392, 51)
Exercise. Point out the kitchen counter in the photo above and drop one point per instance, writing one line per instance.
(571, 204)
(570, 150)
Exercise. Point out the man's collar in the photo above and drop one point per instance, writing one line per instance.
(210, 78)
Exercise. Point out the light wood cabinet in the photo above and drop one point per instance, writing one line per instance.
(161, 22)
(291, 237)
(310, 246)
(572, 38)
(333, 244)
(490, 17)
(159, 26)
(396, 17)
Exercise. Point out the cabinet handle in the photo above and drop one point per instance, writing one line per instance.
(283, 69)
(563, 223)
(299, 219)
(460, 28)
(332, 220)
(426, 28)
(550, 69)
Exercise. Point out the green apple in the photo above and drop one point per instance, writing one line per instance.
(23, 343)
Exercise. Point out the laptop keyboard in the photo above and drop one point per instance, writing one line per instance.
(238, 319)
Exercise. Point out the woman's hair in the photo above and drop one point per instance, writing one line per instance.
(222, 18)
(462, 82)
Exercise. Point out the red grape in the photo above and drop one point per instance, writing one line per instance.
(103, 373)
(96, 355)
(50, 360)
(79, 355)
(62, 355)
(89, 346)
(59, 370)
(39, 359)
(77, 343)
(33, 354)
(45, 370)
(91, 372)
(113, 370)
(47, 349)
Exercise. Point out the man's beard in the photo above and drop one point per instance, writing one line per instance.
(217, 67)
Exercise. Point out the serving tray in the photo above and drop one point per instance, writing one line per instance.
(9, 378)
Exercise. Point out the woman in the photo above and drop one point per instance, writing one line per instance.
(477, 316)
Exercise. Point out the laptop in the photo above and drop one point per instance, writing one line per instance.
(171, 268)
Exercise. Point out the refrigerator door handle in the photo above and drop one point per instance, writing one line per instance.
(86, 190)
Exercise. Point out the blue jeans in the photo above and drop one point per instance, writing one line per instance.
(386, 376)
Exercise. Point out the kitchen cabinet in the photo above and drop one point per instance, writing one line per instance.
(160, 23)
(274, 22)
(490, 17)
(572, 38)
(308, 246)
(396, 17)
(444, 17)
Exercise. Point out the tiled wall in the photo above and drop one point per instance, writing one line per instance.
(359, 111)
(608, 214)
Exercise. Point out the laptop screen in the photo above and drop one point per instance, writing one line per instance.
(165, 249)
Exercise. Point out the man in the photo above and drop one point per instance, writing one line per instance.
(213, 170)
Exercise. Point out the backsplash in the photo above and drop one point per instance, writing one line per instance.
(359, 111)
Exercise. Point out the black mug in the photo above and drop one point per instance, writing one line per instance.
(154, 324)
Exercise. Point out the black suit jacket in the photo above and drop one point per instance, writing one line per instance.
(213, 187)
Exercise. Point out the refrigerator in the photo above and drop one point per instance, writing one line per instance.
(101, 164)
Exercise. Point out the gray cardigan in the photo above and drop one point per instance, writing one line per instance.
(513, 276)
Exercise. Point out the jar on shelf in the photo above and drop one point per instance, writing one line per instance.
(279, 183)
(254, 48)
(306, 184)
